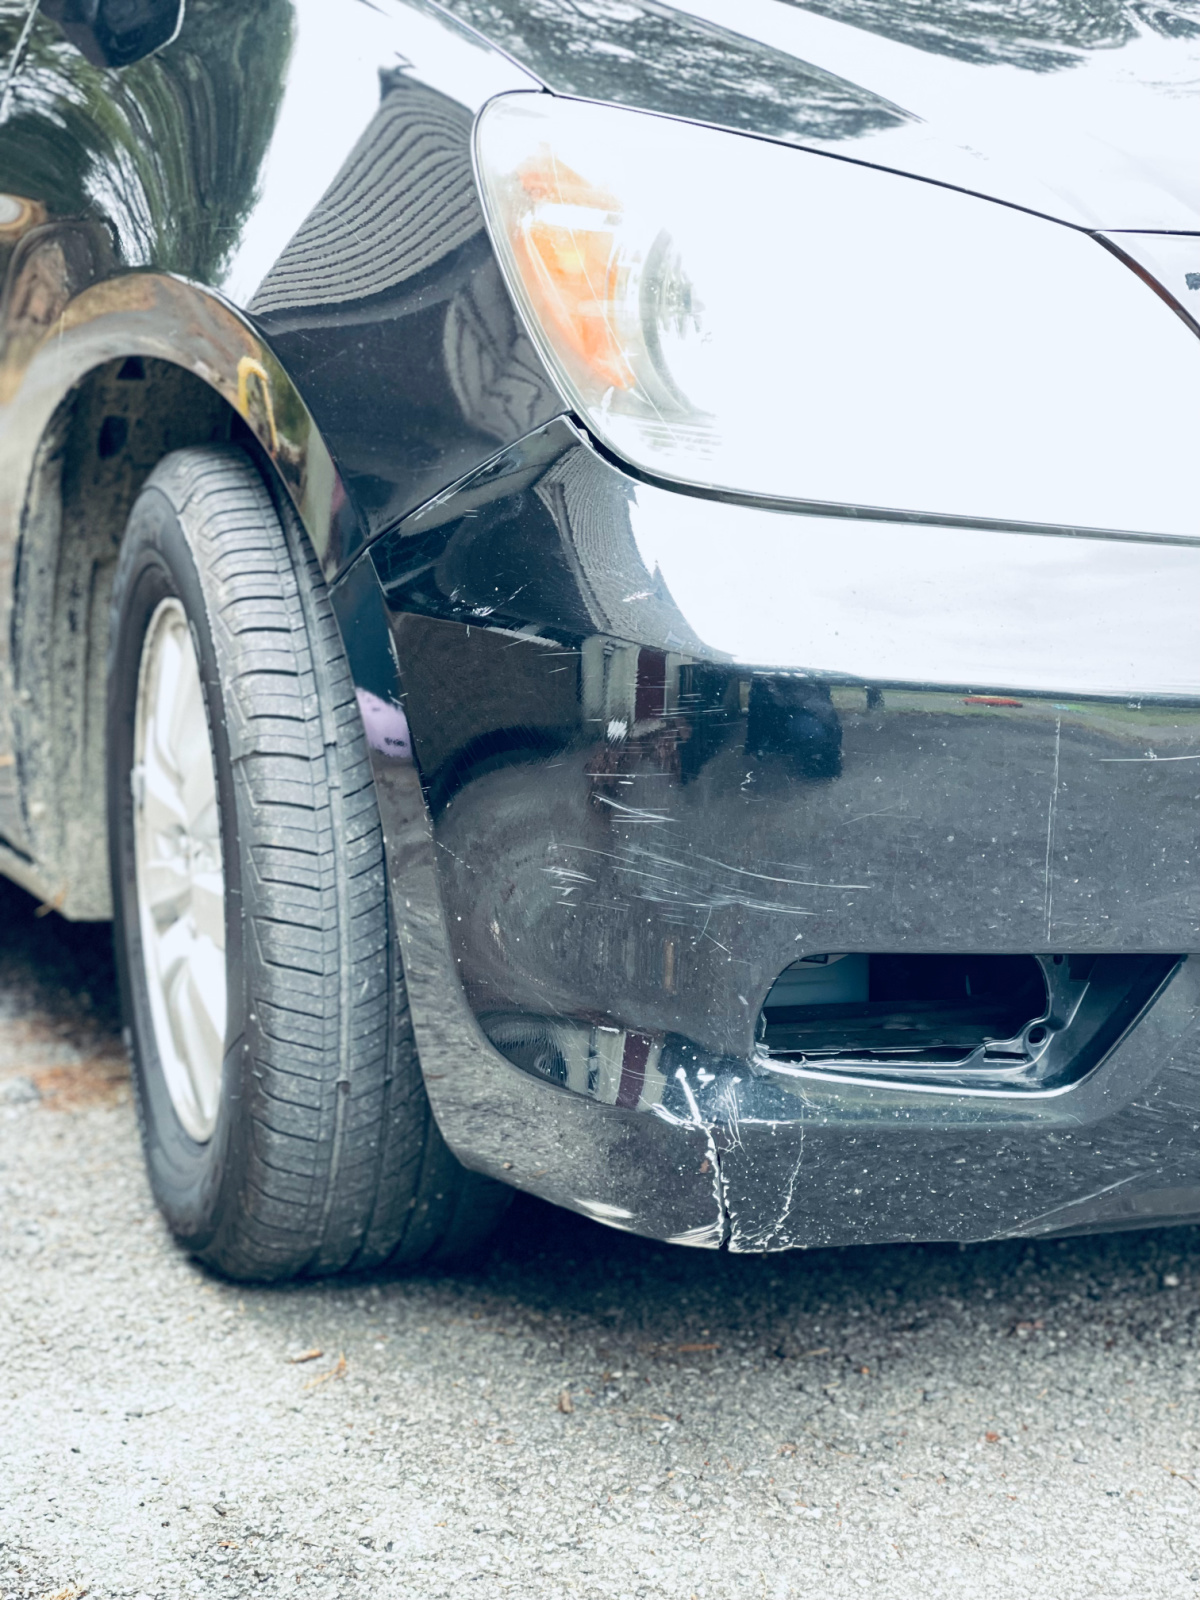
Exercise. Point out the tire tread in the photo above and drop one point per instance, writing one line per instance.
(345, 1167)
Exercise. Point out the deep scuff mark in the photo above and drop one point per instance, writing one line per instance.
(725, 1233)
(770, 1242)
(775, 1236)
(1063, 1215)
(710, 1235)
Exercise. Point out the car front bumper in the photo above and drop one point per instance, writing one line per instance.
(646, 749)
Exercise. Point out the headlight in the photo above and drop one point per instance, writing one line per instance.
(749, 318)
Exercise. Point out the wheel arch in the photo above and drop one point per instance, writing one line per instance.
(134, 368)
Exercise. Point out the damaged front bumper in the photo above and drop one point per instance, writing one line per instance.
(643, 751)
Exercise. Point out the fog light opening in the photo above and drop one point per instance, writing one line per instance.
(934, 1009)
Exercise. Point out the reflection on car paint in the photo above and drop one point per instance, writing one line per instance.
(633, 835)
(1107, 114)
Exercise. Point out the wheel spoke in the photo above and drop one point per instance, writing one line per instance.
(162, 804)
(196, 1004)
(208, 908)
(167, 889)
(188, 733)
(198, 795)
(165, 690)
(206, 979)
(174, 951)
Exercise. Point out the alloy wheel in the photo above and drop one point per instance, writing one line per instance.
(180, 872)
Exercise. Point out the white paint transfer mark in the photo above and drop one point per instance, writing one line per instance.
(632, 813)
(604, 1212)
(706, 1237)
(1026, 1228)
(796, 883)
(1141, 760)
(714, 1159)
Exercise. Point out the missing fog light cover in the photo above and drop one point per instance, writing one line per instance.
(923, 1005)
(753, 318)
(1004, 1022)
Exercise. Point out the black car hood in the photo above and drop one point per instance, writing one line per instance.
(1084, 110)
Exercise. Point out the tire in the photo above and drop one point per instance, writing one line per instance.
(285, 1126)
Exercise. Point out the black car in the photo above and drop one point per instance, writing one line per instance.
(623, 585)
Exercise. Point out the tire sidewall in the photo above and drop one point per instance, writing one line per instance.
(188, 1178)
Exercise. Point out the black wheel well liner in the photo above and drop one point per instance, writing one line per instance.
(104, 439)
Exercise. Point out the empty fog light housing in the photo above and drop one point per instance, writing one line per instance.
(1000, 1022)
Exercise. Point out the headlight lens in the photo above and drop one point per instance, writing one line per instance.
(746, 317)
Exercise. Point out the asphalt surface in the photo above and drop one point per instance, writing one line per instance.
(584, 1414)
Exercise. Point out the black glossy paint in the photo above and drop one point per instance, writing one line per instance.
(609, 826)
(404, 331)
(1082, 111)
(386, 308)
(632, 836)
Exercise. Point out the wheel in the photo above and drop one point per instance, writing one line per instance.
(284, 1120)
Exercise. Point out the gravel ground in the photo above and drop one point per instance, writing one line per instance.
(584, 1414)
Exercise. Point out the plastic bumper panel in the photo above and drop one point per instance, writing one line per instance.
(636, 752)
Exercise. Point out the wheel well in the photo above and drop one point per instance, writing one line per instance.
(101, 445)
